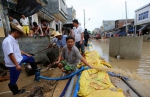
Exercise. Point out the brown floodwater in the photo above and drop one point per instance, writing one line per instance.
(140, 66)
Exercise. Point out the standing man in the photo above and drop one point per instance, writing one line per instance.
(79, 36)
(25, 24)
(86, 37)
(14, 21)
(14, 59)
(60, 40)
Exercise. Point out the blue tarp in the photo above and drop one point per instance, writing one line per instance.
(131, 30)
(122, 33)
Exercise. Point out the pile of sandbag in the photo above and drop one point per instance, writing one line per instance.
(95, 83)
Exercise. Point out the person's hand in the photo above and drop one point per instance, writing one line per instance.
(28, 55)
(81, 42)
(57, 62)
(91, 66)
(18, 67)
(45, 31)
(47, 47)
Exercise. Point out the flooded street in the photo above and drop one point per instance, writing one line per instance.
(140, 66)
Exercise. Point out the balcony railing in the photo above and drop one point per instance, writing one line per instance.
(63, 6)
(44, 10)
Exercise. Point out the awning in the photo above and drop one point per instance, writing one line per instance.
(23, 7)
(116, 31)
(28, 7)
(131, 29)
(122, 33)
(68, 25)
(142, 28)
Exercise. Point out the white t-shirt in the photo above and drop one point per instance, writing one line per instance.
(10, 45)
(15, 22)
(78, 32)
(24, 22)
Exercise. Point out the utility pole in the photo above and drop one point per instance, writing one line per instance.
(84, 17)
(135, 23)
(126, 17)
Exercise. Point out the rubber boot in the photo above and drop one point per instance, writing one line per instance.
(34, 66)
(14, 89)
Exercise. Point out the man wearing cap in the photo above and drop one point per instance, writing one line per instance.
(60, 40)
(14, 57)
(79, 36)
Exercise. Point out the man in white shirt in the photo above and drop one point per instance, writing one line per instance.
(14, 21)
(25, 24)
(79, 36)
(14, 57)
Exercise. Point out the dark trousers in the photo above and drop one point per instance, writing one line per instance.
(14, 74)
(80, 46)
(86, 41)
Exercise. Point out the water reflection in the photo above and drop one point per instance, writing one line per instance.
(141, 66)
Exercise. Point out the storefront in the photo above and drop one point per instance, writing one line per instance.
(142, 19)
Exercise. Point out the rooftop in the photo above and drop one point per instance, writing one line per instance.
(143, 7)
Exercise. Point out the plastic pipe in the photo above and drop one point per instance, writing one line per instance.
(62, 78)
(66, 87)
(131, 87)
(70, 88)
(77, 87)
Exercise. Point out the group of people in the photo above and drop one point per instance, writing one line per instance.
(69, 56)
(36, 29)
(70, 47)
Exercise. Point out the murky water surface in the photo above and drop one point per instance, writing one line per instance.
(141, 66)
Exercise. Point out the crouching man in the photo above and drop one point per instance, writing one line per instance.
(70, 57)
(14, 57)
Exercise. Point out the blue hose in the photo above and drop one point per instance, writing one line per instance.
(65, 77)
(66, 87)
(77, 87)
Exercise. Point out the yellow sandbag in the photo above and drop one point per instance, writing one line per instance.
(105, 93)
(105, 63)
(94, 83)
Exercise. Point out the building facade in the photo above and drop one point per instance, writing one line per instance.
(101, 29)
(53, 11)
(70, 17)
(108, 25)
(120, 23)
(8, 8)
(142, 19)
(96, 31)
(142, 15)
